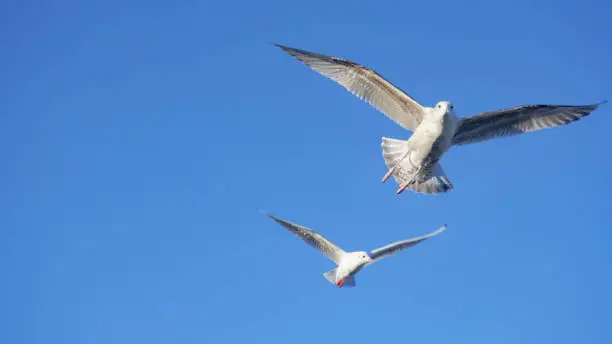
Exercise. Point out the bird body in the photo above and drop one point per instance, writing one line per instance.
(415, 161)
(349, 266)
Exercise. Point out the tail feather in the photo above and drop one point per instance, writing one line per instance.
(331, 276)
(395, 151)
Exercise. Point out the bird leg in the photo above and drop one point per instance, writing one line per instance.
(394, 167)
(404, 186)
(390, 173)
(340, 284)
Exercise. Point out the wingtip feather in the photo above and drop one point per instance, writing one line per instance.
(283, 47)
(263, 212)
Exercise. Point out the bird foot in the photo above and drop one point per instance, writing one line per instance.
(340, 284)
(404, 186)
(389, 174)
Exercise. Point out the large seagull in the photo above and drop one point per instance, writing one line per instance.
(349, 263)
(414, 163)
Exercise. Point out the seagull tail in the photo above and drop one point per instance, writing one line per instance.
(396, 155)
(331, 276)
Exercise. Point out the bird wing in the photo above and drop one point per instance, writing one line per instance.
(365, 84)
(314, 239)
(395, 247)
(517, 120)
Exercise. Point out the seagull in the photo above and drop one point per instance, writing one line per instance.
(414, 163)
(349, 263)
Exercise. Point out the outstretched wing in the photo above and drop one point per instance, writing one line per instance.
(517, 120)
(365, 84)
(395, 247)
(314, 239)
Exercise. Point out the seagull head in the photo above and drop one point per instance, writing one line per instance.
(444, 108)
(363, 257)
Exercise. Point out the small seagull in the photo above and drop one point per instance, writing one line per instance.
(414, 162)
(349, 263)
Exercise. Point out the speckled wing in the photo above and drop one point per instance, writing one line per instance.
(517, 120)
(395, 247)
(314, 239)
(365, 84)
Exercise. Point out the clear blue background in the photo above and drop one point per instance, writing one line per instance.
(139, 138)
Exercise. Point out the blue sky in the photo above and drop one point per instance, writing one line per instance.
(139, 138)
